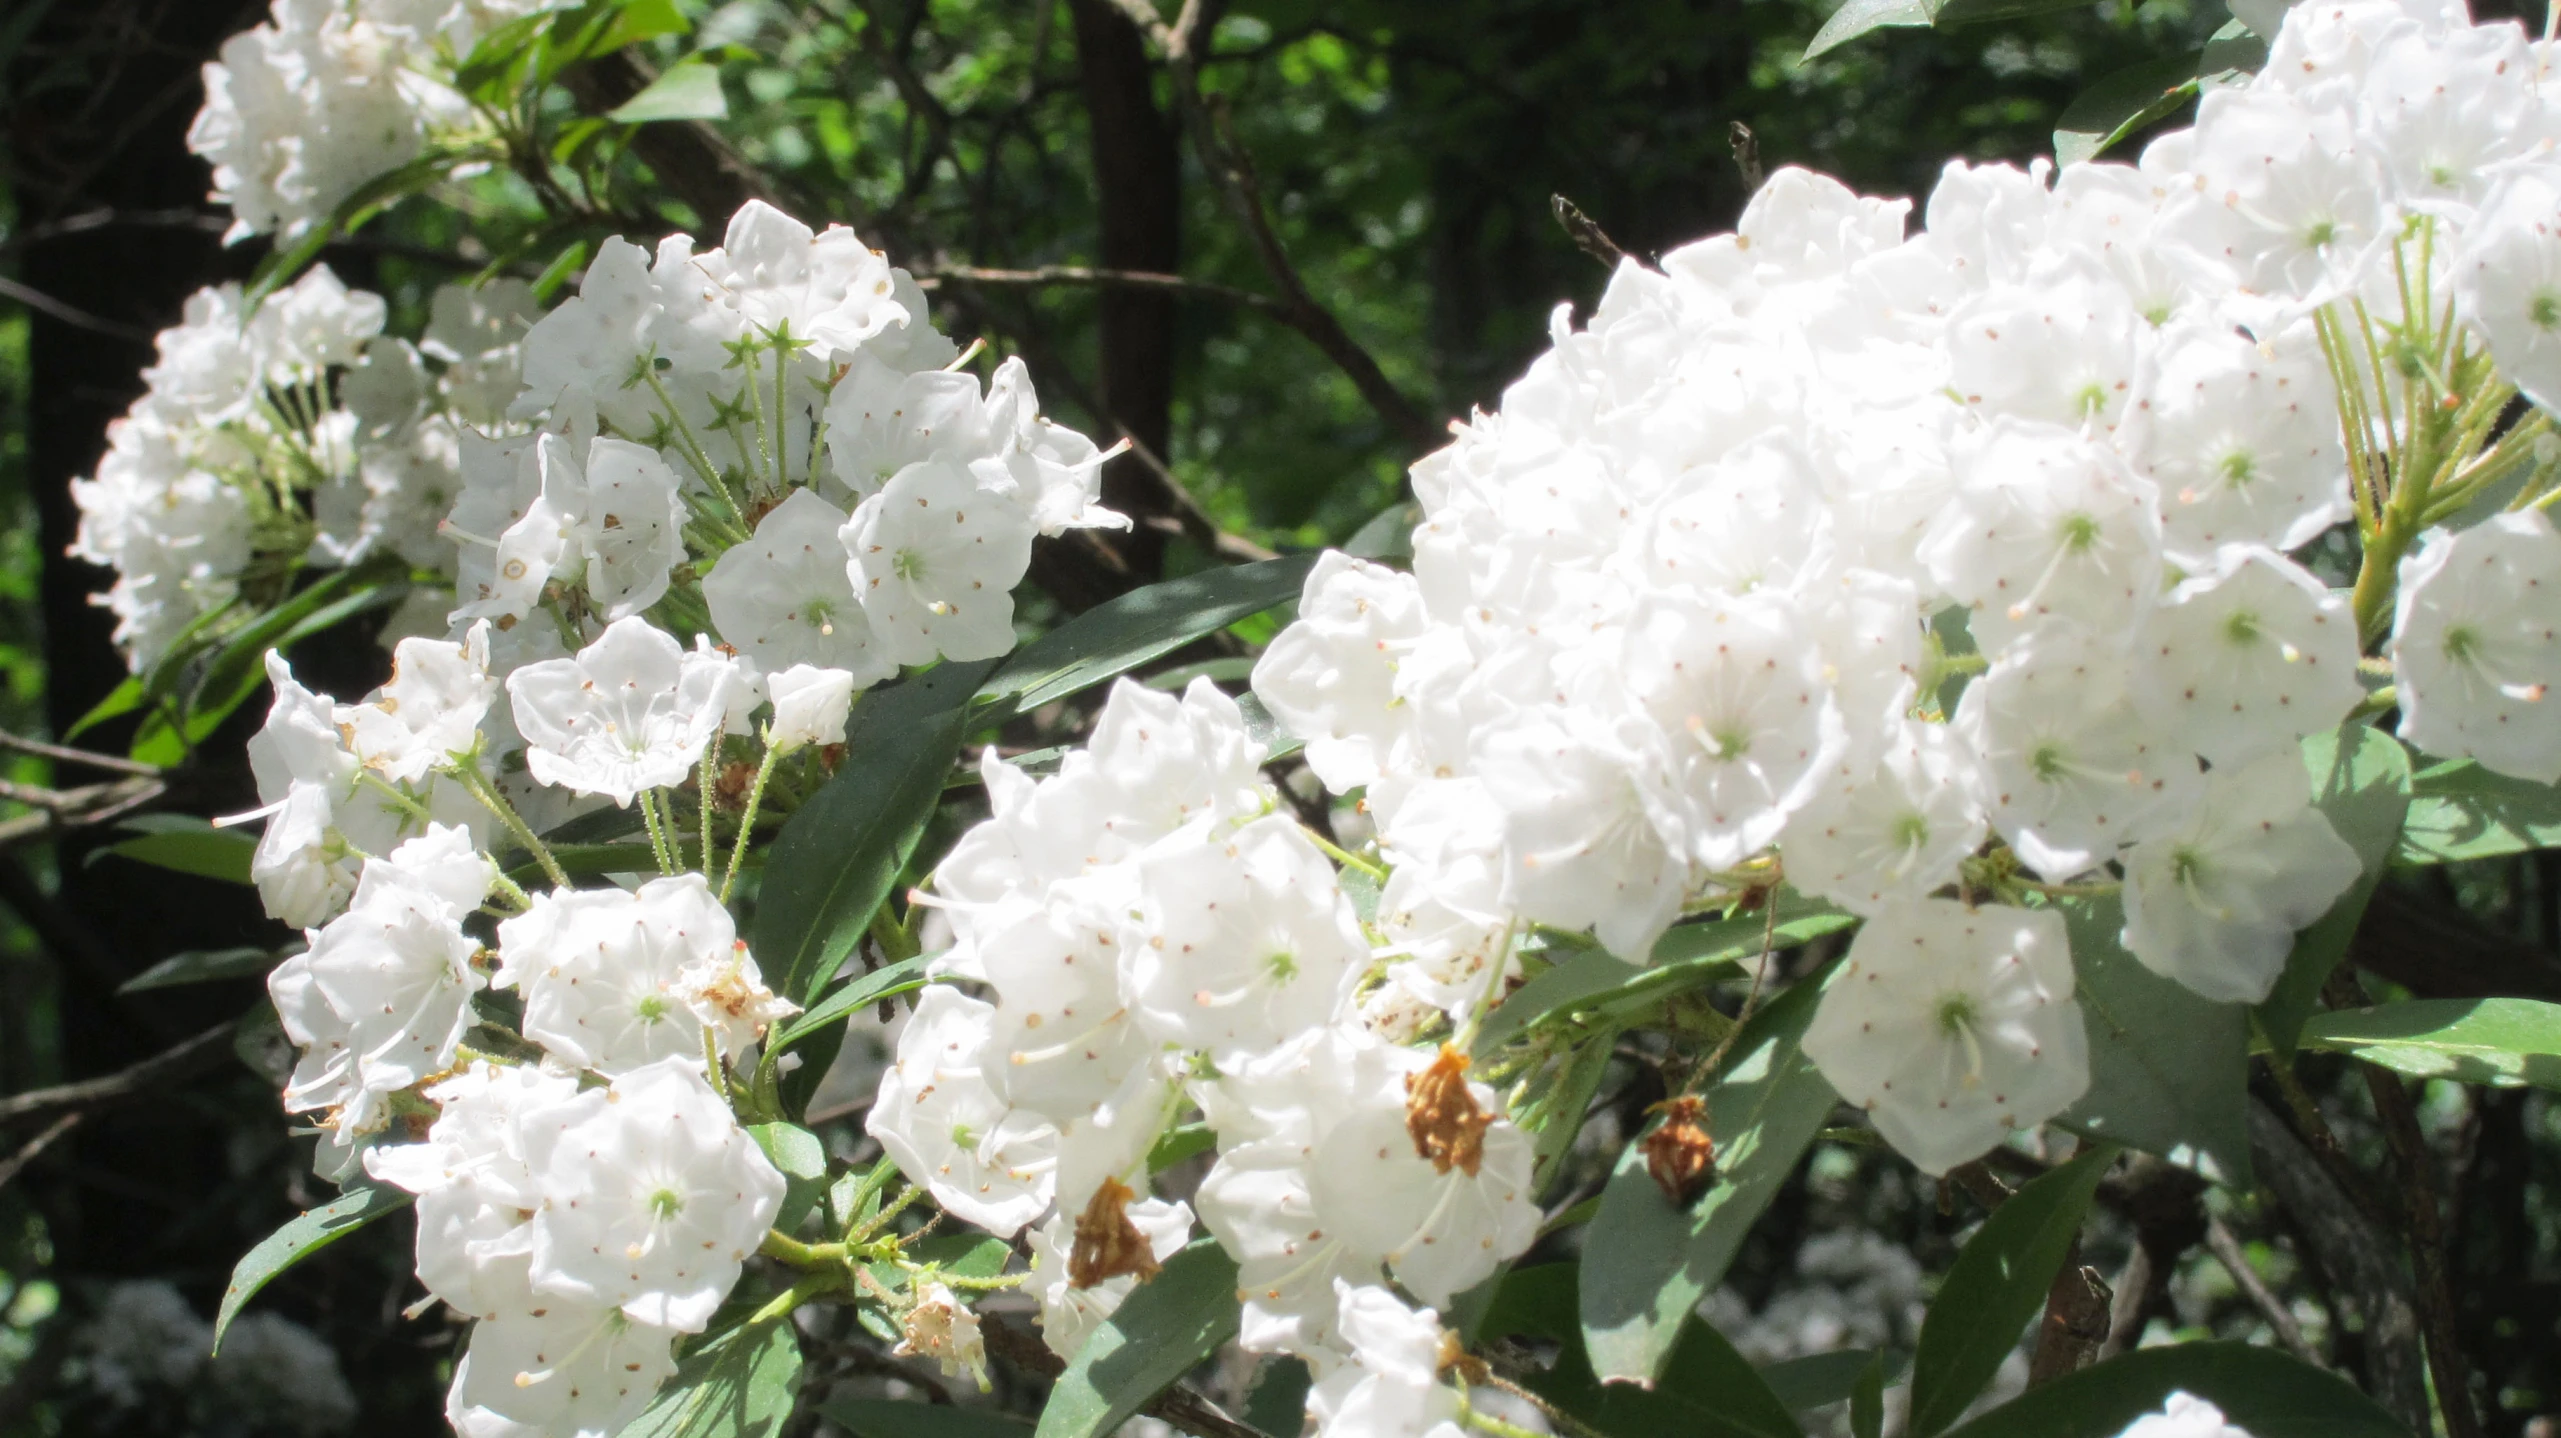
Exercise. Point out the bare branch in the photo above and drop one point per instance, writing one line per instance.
(2226, 1248)
(191, 1057)
(16, 1163)
(1586, 233)
(72, 315)
(1105, 279)
(64, 753)
(2356, 1251)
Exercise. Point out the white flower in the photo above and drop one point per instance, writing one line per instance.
(1255, 1200)
(2065, 349)
(1390, 1385)
(1953, 1027)
(1068, 1314)
(1895, 830)
(831, 289)
(616, 980)
(1057, 469)
(1585, 844)
(429, 710)
(881, 419)
(653, 1196)
(2507, 281)
(2215, 902)
(477, 1201)
(2184, 1416)
(614, 525)
(2248, 658)
(633, 711)
(984, 1163)
(2298, 206)
(2476, 645)
(784, 597)
(1238, 941)
(558, 1369)
(810, 706)
(943, 1327)
(588, 349)
(1331, 675)
(2072, 772)
(2243, 440)
(936, 556)
(2045, 524)
(382, 996)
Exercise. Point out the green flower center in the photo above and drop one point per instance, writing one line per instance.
(666, 1203)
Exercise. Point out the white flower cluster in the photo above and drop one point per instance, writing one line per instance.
(297, 433)
(591, 1205)
(1153, 932)
(1668, 633)
(303, 111)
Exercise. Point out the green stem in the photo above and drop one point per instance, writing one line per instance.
(791, 1298)
(704, 780)
(1345, 857)
(479, 787)
(746, 820)
(657, 835)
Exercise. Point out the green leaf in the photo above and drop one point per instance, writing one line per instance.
(2261, 1391)
(636, 20)
(1685, 957)
(568, 262)
(737, 1384)
(2459, 810)
(2168, 1069)
(1857, 17)
(1386, 535)
(1638, 1287)
(121, 700)
(801, 1159)
(2361, 783)
(201, 966)
(1867, 1400)
(1166, 1325)
(887, 982)
(188, 845)
(1535, 1302)
(1113, 638)
(1278, 1404)
(1978, 12)
(298, 1240)
(2120, 103)
(374, 195)
(1823, 1379)
(1997, 1287)
(881, 1418)
(2505, 1043)
(689, 90)
(840, 855)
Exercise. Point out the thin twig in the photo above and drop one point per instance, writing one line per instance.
(1228, 164)
(112, 763)
(16, 1163)
(2226, 1248)
(199, 220)
(198, 1053)
(930, 278)
(72, 315)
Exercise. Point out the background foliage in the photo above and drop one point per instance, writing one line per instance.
(1407, 153)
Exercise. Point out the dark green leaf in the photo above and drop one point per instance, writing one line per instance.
(258, 1041)
(801, 1159)
(1535, 1302)
(2361, 782)
(1707, 1391)
(2167, 1068)
(1823, 1379)
(1857, 17)
(840, 855)
(201, 966)
(1116, 637)
(1977, 12)
(689, 90)
(1639, 1286)
(1997, 1286)
(298, 1240)
(121, 700)
(1557, 1114)
(189, 846)
(1685, 957)
(1867, 1400)
(1176, 1144)
(1166, 1325)
(1386, 535)
(2459, 810)
(376, 194)
(738, 1384)
(881, 1418)
(2261, 1391)
(887, 982)
(2119, 104)
(2505, 1043)
(1278, 1404)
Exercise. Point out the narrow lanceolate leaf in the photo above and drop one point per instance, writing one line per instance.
(1169, 1323)
(2505, 1043)
(2168, 1069)
(2118, 104)
(2460, 810)
(1822, 1379)
(1997, 1286)
(187, 845)
(737, 1384)
(881, 1418)
(1119, 636)
(1857, 17)
(2361, 783)
(1684, 958)
(298, 1240)
(841, 854)
(202, 966)
(2261, 1391)
(690, 90)
(887, 982)
(1658, 1261)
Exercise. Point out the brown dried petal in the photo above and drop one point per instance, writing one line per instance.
(1108, 1245)
(1441, 1114)
(1680, 1155)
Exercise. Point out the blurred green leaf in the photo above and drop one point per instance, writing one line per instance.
(201, 966)
(188, 845)
(2168, 1069)
(2505, 1043)
(689, 90)
(2122, 103)
(2263, 1392)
